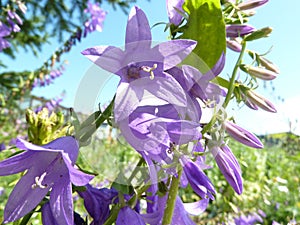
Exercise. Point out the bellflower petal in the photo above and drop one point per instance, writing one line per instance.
(47, 217)
(50, 167)
(175, 51)
(229, 167)
(12, 165)
(197, 178)
(196, 208)
(180, 215)
(173, 14)
(243, 136)
(61, 203)
(127, 216)
(137, 22)
(24, 198)
(97, 201)
(107, 57)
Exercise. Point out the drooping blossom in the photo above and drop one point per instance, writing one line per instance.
(228, 165)
(197, 178)
(97, 17)
(141, 67)
(174, 7)
(97, 201)
(128, 216)
(49, 168)
(241, 135)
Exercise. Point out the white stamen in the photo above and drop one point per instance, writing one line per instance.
(38, 182)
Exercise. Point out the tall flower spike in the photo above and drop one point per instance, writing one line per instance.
(130, 64)
(49, 168)
(241, 135)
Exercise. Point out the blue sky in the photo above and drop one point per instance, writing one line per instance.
(282, 16)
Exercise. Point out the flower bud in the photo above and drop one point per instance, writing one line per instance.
(251, 4)
(269, 65)
(241, 135)
(261, 33)
(259, 72)
(234, 45)
(238, 30)
(260, 101)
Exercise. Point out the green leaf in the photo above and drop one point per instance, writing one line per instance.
(206, 26)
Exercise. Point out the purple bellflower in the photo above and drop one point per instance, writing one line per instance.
(97, 201)
(173, 8)
(197, 178)
(141, 67)
(155, 130)
(241, 135)
(229, 166)
(49, 168)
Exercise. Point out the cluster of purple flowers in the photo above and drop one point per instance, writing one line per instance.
(97, 17)
(47, 79)
(158, 108)
(13, 21)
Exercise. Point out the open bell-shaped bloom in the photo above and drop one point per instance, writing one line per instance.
(155, 130)
(140, 60)
(49, 168)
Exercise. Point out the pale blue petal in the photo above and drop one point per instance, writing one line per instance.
(165, 88)
(138, 28)
(196, 208)
(107, 57)
(128, 97)
(175, 51)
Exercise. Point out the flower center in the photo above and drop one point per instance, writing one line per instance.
(133, 71)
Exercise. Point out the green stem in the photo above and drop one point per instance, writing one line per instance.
(113, 215)
(136, 169)
(234, 74)
(173, 191)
